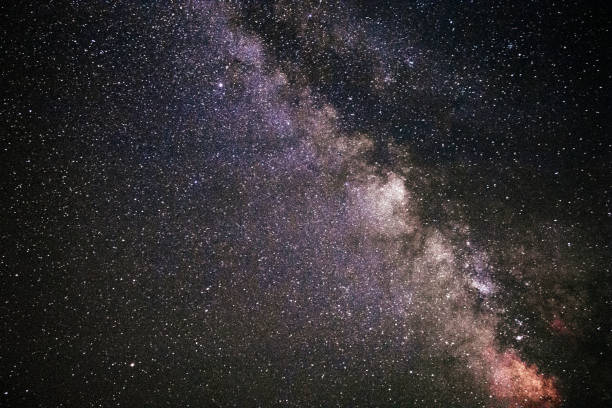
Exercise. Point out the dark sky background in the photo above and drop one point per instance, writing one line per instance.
(378, 203)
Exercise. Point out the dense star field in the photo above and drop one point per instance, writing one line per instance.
(306, 203)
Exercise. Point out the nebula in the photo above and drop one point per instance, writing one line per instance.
(520, 384)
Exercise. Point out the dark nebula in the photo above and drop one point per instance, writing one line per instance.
(306, 203)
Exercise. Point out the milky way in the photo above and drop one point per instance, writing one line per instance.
(305, 204)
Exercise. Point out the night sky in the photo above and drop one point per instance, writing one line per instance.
(306, 203)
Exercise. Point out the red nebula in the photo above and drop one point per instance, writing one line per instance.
(518, 384)
(559, 326)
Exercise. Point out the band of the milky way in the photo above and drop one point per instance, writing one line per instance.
(306, 203)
